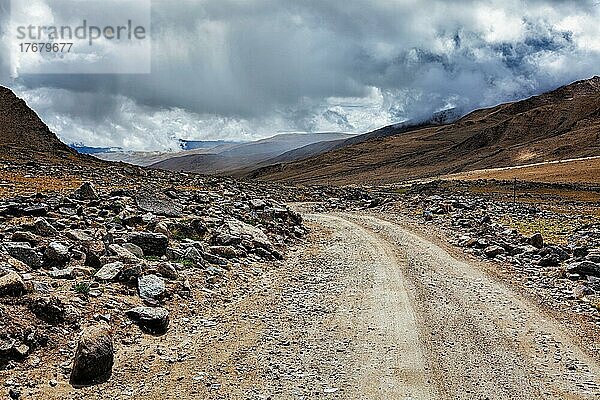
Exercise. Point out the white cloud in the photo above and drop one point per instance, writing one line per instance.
(226, 69)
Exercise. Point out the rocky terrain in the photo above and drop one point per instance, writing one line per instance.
(123, 256)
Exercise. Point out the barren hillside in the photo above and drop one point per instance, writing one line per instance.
(557, 125)
(23, 136)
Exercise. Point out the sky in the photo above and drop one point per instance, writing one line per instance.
(249, 69)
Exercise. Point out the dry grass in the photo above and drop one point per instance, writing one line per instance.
(585, 171)
(555, 230)
(14, 184)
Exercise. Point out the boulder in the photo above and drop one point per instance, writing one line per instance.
(36, 210)
(134, 249)
(57, 253)
(167, 270)
(193, 254)
(123, 254)
(94, 357)
(550, 260)
(28, 237)
(227, 252)
(580, 252)
(152, 244)
(153, 320)
(158, 204)
(593, 256)
(78, 235)
(214, 259)
(94, 251)
(234, 231)
(12, 284)
(493, 251)
(109, 272)
(24, 253)
(584, 268)
(87, 191)
(536, 240)
(151, 287)
(43, 228)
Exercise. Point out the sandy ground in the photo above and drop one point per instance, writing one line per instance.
(365, 309)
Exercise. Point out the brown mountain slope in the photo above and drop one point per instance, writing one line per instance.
(23, 135)
(564, 123)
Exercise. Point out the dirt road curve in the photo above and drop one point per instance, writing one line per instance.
(364, 309)
(435, 327)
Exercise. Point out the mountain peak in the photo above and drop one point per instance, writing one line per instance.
(23, 135)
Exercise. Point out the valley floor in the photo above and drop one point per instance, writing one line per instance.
(365, 309)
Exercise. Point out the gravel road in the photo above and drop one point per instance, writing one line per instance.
(407, 320)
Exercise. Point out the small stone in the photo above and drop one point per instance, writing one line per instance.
(21, 351)
(57, 253)
(493, 251)
(257, 204)
(153, 320)
(41, 287)
(53, 383)
(427, 216)
(66, 273)
(14, 393)
(49, 309)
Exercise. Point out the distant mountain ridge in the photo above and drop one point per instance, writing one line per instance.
(564, 123)
(237, 159)
(244, 158)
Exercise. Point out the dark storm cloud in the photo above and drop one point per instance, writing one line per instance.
(241, 69)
